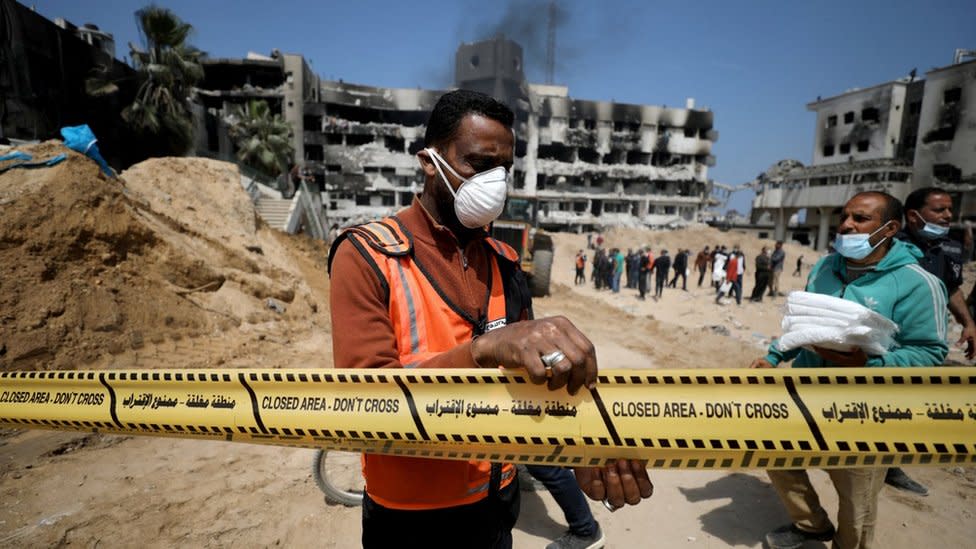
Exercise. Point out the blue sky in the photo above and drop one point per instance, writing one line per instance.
(756, 64)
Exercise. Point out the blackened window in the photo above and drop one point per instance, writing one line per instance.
(849, 117)
(828, 150)
(869, 114)
(832, 121)
(952, 95)
(845, 148)
(862, 146)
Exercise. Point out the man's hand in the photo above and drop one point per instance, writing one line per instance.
(623, 482)
(523, 344)
(761, 362)
(968, 338)
(854, 358)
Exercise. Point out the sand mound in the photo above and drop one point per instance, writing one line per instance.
(91, 266)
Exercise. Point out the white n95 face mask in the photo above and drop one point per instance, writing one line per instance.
(480, 198)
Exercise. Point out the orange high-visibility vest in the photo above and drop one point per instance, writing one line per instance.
(426, 325)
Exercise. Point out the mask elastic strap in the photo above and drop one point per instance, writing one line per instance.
(437, 164)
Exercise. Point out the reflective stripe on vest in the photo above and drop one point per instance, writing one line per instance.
(424, 326)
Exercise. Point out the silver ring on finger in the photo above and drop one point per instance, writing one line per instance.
(610, 507)
(553, 358)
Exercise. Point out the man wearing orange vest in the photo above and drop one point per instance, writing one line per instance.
(428, 288)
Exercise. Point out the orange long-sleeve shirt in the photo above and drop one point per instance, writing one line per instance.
(362, 333)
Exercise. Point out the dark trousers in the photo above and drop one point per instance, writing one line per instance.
(642, 284)
(762, 280)
(684, 279)
(659, 283)
(701, 276)
(485, 524)
(562, 485)
(737, 290)
(580, 277)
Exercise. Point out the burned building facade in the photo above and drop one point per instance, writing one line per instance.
(579, 164)
(893, 137)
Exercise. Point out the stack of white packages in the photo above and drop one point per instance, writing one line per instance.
(834, 323)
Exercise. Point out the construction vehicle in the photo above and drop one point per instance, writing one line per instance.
(516, 227)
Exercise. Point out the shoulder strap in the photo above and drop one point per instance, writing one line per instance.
(503, 250)
(387, 236)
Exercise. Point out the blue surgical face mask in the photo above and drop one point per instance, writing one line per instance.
(857, 246)
(931, 231)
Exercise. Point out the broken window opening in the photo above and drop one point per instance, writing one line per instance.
(356, 139)
(540, 182)
(543, 121)
(870, 114)
(845, 148)
(618, 125)
(416, 146)
(849, 117)
(690, 132)
(947, 173)
(634, 126)
(828, 150)
(557, 151)
(589, 124)
(313, 123)
(362, 199)
(588, 155)
(333, 168)
(518, 179)
(832, 121)
(393, 143)
(521, 147)
(862, 146)
(615, 156)
(313, 152)
(371, 169)
(334, 139)
(638, 158)
(915, 107)
(952, 95)
(388, 199)
(318, 181)
(387, 171)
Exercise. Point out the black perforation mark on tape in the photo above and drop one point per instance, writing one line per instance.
(254, 400)
(807, 416)
(111, 400)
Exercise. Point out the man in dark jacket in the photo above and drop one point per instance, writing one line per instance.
(661, 266)
(762, 276)
(680, 269)
(928, 212)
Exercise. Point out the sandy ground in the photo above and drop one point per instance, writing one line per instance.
(87, 490)
(59, 489)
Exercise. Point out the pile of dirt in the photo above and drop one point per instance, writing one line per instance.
(92, 266)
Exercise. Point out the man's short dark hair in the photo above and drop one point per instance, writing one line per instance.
(917, 199)
(454, 106)
(893, 210)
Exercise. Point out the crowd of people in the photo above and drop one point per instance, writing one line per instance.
(727, 268)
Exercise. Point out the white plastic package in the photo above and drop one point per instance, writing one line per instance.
(834, 323)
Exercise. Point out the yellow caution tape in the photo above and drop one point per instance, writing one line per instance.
(698, 419)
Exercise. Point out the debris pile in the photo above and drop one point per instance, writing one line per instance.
(92, 266)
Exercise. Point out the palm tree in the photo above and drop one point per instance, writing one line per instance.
(168, 68)
(263, 139)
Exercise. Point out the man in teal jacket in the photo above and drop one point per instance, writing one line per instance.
(883, 274)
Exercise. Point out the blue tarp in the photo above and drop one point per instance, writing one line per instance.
(82, 139)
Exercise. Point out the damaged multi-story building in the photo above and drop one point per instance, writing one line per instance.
(579, 164)
(895, 137)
